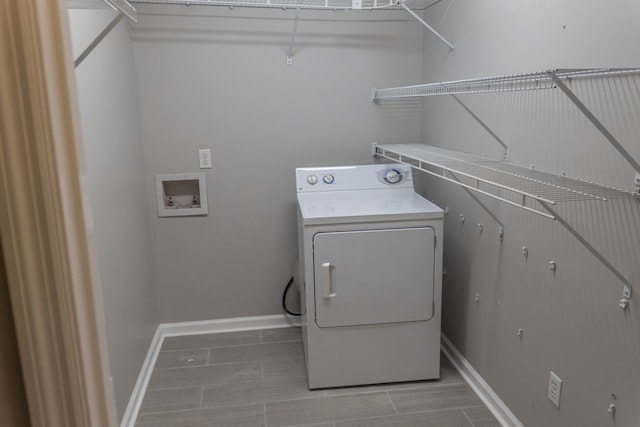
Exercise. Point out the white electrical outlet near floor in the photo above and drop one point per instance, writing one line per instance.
(555, 387)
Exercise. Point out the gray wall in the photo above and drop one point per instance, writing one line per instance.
(111, 131)
(571, 320)
(216, 78)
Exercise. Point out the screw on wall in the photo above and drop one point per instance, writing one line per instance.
(480, 227)
(462, 218)
(520, 333)
(501, 234)
(553, 266)
(612, 406)
(525, 251)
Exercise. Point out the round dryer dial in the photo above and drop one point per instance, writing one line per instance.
(328, 179)
(312, 179)
(392, 176)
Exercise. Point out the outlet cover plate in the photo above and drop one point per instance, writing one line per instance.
(204, 154)
(555, 387)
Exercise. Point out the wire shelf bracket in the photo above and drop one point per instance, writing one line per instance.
(480, 203)
(626, 293)
(293, 37)
(594, 120)
(484, 126)
(426, 25)
(98, 39)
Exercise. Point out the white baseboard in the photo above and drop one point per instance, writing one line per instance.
(135, 402)
(497, 407)
(227, 325)
(193, 328)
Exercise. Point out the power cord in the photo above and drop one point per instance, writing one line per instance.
(284, 299)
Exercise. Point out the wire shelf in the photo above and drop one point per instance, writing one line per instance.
(500, 180)
(125, 7)
(286, 4)
(510, 83)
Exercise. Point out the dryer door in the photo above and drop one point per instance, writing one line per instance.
(374, 276)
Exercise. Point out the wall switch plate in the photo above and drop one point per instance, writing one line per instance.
(204, 154)
(555, 387)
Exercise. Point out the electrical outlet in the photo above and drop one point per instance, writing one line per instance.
(555, 387)
(204, 154)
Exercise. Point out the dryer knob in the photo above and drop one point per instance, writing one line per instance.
(328, 179)
(393, 176)
(312, 179)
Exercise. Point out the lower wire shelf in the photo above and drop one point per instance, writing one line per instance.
(526, 188)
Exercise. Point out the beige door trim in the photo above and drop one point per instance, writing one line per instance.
(45, 222)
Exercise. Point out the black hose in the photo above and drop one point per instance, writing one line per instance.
(284, 299)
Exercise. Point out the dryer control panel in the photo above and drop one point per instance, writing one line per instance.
(359, 177)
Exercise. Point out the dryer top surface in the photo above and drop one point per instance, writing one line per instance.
(337, 207)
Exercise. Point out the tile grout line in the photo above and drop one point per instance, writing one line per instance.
(450, 408)
(393, 415)
(467, 417)
(208, 365)
(264, 408)
(391, 388)
(391, 401)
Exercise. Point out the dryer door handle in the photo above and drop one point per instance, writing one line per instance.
(327, 283)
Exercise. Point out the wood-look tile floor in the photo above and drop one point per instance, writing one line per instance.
(258, 379)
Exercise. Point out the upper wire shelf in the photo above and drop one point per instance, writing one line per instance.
(509, 83)
(286, 4)
(515, 185)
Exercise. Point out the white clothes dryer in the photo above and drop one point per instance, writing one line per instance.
(370, 276)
